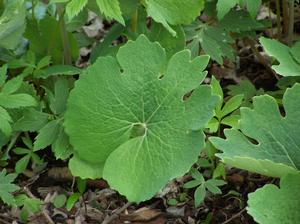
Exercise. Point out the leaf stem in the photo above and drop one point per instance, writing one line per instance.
(33, 4)
(11, 144)
(134, 19)
(64, 36)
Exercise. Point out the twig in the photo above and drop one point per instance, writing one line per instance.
(44, 212)
(116, 213)
(234, 216)
(4, 221)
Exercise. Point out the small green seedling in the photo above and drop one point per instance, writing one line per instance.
(81, 186)
(28, 155)
(30, 64)
(211, 185)
(246, 88)
(223, 110)
(28, 206)
(60, 200)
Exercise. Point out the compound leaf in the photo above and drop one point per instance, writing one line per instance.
(47, 135)
(273, 205)
(6, 187)
(130, 110)
(278, 149)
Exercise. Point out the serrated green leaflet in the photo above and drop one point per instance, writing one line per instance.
(74, 7)
(5, 120)
(273, 205)
(111, 9)
(278, 150)
(287, 57)
(130, 110)
(7, 187)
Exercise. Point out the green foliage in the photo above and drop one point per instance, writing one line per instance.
(27, 154)
(7, 187)
(60, 200)
(223, 110)
(246, 88)
(74, 7)
(277, 151)
(11, 99)
(288, 58)
(28, 206)
(111, 9)
(174, 12)
(146, 100)
(216, 39)
(41, 43)
(224, 6)
(72, 200)
(264, 204)
(211, 185)
(12, 24)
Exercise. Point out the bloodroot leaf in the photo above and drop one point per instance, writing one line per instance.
(275, 146)
(273, 205)
(126, 115)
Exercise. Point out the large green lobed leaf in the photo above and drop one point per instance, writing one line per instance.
(278, 150)
(273, 205)
(288, 58)
(128, 122)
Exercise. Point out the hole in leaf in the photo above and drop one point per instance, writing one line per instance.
(138, 130)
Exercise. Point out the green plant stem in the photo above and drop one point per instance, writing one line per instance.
(33, 4)
(64, 36)
(134, 19)
(12, 143)
(278, 12)
(291, 22)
